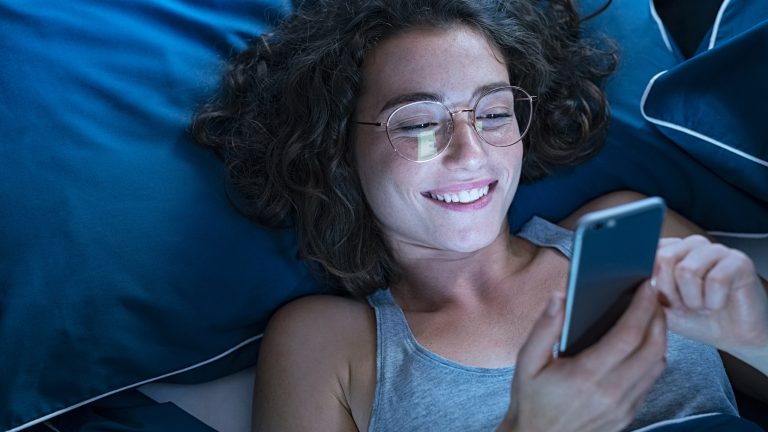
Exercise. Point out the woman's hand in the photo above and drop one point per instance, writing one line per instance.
(602, 387)
(713, 295)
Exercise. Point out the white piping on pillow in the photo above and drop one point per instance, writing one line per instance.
(662, 29)
(51, 427)
(716, 27)
(78, 405)
(672, 421)
(690, 131)
(751, 236)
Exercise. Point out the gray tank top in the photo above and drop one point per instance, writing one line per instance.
(418, 390)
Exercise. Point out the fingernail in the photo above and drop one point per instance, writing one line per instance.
(662, 299)
(554, 305)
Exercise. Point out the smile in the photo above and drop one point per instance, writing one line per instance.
(464, 197)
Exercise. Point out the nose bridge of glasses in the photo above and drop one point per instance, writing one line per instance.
(471, 112)
(469, 137)
(470, 117)
(471, 121)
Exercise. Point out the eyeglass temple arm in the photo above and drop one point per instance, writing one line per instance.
(531, 97)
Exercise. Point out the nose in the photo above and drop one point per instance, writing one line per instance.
(466, 150)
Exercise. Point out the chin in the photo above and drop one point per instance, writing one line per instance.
(472, 242)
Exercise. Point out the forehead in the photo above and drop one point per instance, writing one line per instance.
(451, 63)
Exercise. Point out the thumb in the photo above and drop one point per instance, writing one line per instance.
(536, 352)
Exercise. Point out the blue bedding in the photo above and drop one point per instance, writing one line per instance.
(122, 260)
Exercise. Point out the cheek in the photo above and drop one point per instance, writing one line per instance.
(515, 158)
(372, 164)
(387, 180)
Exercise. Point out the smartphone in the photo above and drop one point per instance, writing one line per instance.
(613, 253)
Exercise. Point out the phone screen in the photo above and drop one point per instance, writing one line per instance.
(614, 251)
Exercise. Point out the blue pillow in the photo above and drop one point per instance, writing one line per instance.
(655, 160)
(703, 106)
(121, 259)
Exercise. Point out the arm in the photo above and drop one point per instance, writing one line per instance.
(715, 296)
(747, 367)
(302, 378)
(747, 364)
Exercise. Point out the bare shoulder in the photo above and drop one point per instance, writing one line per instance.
(675, 225)
(309, 350)
(318, 330)
(602, 202)
(319, 316)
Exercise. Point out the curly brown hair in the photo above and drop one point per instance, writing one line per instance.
(283, 119)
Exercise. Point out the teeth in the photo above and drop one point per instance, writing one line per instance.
(464, 197)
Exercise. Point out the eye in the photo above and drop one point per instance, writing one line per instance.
(496, 119)
(416, 126)
(416, 118)
(491, 116)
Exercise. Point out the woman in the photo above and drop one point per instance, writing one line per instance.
(393, 135)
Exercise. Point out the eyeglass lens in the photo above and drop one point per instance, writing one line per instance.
(422, 130)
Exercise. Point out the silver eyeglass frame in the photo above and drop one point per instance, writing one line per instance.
(473, 121)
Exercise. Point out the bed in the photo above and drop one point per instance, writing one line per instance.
(133, 293)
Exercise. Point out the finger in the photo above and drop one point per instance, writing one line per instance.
(627, 334)
(626, 385)
(643, 369)
(666, 241)
(663, 242)
(714, 289)
(536, 352)
(667, 257)
(663, 279)
(640, 389)
(651, 350)
(725, 276)
(691, 271)
(715, 293)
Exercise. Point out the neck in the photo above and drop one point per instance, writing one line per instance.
(437, 280)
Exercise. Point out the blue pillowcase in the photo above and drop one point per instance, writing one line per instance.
(706, 423)
(721, 89)
(705, 108)
(121, 259)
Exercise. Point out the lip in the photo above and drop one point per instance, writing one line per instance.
(457, 206)
(458, 187)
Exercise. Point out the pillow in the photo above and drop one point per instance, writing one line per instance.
(711, 422)
(703, 107)
(694, 179)
(121, 258)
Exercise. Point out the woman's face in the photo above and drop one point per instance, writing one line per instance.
(409, 199)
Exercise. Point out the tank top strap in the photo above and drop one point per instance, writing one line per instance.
(389, 317)
(546, 234)
(393, 335)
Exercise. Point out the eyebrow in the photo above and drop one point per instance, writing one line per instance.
(434, 97)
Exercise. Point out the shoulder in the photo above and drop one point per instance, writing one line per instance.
(320, 324)
(611, 199)
(328, 309)
(311, 350)
(675, 225)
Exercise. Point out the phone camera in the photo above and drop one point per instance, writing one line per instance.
(610, 223)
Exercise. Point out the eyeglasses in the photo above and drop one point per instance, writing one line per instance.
(420, 131)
